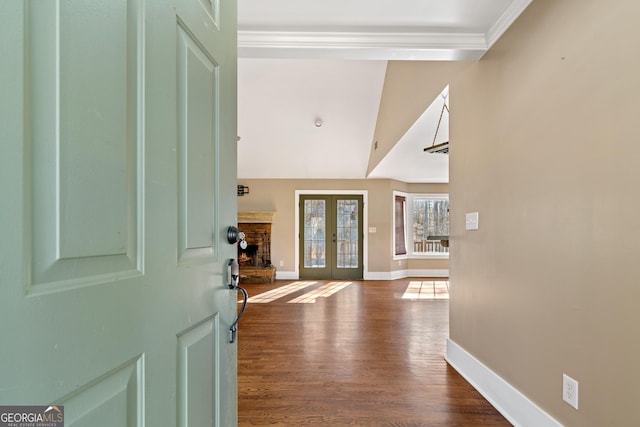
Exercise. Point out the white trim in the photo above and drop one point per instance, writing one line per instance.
(504, 22)
(377, 275)
(398, 274)
(428, 273)
(286, 275)
(361, 45)
(394, 44)
(401, 274)
(365, 224)
(511, 403)
(430, 255)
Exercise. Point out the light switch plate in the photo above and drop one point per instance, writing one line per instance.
(471, 221)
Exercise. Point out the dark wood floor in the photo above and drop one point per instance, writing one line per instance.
(363, 356)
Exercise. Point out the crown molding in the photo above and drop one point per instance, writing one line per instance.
(360, 45)
(506, 19)
(375, 45)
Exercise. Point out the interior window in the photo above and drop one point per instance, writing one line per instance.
(430, 224)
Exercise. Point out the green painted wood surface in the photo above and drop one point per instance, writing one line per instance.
(118, 172)
(331, 244)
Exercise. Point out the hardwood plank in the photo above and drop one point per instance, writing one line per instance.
(363, 356)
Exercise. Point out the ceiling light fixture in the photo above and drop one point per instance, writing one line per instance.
(318, 123)
(442, 148)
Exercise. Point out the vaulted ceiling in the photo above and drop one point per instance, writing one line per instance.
(311, 75)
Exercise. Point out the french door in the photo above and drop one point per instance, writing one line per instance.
(331, 236)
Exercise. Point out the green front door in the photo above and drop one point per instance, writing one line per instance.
(331, 237)
(118, 136)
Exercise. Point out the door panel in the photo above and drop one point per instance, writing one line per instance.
(76, 138)
(118, 126)
(197, 96)
(115, 399)
(196, 352)
(91, 131)
(331, 237)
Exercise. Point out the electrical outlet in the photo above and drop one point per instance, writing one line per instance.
(570, 390)
(281, 263)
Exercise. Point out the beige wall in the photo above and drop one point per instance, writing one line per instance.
(403, 102)
(279, 195)
(545, 145)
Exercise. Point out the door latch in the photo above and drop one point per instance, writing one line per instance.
(233, 278)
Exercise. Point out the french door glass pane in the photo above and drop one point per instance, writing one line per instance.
(347, 233)
(315, 212)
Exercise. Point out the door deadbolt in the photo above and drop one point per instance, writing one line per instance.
(234, 236)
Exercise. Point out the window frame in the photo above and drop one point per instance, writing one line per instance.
(408, 222)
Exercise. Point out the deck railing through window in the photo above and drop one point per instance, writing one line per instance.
(429, 246)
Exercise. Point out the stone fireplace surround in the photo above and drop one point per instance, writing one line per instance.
(255, 262)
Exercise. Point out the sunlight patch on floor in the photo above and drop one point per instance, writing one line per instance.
(280, 292)
(323, 291)
(427, 289)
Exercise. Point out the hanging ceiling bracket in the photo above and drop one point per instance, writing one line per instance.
(442, 148)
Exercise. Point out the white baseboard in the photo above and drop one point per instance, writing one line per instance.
(513, 405)
(376, 275)
(286, 275)
(401, 274)
(428, 273)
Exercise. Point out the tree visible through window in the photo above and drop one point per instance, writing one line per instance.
(430, 222)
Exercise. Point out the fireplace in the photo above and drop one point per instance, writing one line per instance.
(258, 237)
(255, 260)
(248, 257)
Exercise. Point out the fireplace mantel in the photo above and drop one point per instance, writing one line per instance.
(256, 217)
